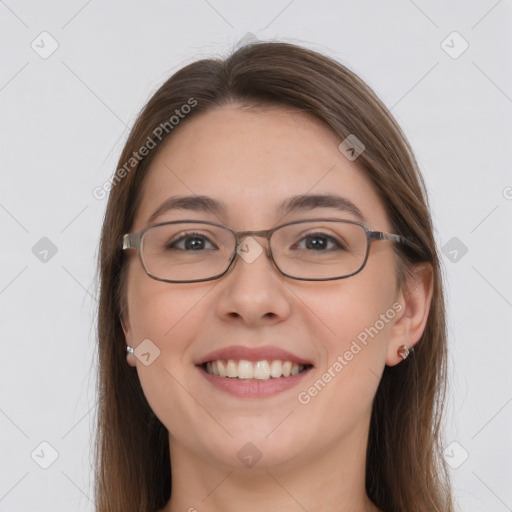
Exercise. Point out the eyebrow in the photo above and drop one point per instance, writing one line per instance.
(293, 204)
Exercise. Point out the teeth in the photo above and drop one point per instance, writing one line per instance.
(245, 369)
(261, 370)
(222, 368)
(275, 369)
(231, 369)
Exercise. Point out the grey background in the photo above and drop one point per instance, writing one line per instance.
(65, 117)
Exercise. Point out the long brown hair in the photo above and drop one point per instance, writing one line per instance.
(405, 470)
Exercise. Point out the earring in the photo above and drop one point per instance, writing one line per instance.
(403, 351)
(129, 350)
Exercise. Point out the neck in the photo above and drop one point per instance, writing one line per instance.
(333, 480)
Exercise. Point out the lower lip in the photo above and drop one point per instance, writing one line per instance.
(253, 388)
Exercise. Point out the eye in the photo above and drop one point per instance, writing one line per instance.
(319, 242)
(191, 242)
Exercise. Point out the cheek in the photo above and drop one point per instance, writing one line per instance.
(358, 314)
(353, 306)
(158, 308)
(170, 317)
(167, 314)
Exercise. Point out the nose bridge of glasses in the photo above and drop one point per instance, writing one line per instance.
(263, 233)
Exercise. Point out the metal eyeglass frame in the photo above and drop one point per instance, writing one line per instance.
(134, 241)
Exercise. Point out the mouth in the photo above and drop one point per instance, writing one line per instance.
(262, 370)
(253, 372)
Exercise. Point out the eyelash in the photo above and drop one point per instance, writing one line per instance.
(304, 236)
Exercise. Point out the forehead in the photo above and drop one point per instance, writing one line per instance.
(252, 160)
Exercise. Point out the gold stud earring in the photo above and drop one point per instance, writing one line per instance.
(403, 351)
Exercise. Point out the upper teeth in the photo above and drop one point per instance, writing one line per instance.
(244, 369)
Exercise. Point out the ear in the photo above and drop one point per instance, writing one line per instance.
(416, 299)
(124, 318)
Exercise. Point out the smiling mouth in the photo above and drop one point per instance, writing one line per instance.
(261, 370)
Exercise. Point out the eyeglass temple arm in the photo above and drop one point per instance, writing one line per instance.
(131, 241)
(379, 235)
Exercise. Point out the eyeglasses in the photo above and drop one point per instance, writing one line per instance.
(189, 251)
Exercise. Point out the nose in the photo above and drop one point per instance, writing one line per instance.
(253, 291)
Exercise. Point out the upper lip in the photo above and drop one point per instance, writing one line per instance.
(237, 352)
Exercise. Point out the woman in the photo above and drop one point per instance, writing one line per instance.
(271, 320)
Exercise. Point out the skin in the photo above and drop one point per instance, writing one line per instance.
(313, 455)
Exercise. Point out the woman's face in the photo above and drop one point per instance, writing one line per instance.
(253, 161)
